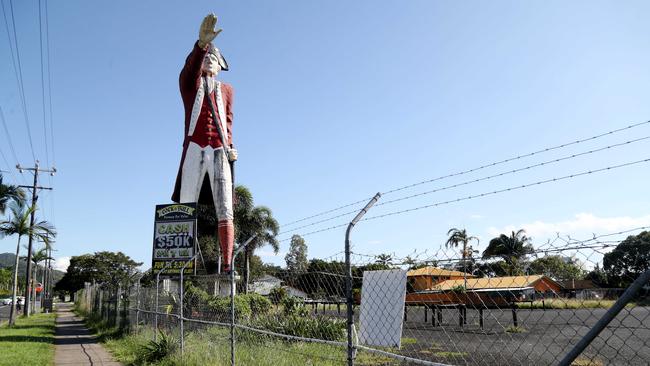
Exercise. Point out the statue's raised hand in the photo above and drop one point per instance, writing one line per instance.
(207, 32)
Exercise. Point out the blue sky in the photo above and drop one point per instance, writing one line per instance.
(334, 102)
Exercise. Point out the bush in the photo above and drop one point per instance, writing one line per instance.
(259, 304)
(303, 326)
(157, 350)
(294, 306)
(221, 306)
(277, 294)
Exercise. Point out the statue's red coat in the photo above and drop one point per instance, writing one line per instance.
(190, 82)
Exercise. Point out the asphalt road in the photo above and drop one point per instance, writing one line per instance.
(4, 311)
(547, 335)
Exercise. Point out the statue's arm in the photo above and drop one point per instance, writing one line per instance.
(190, 78)
(229, 115)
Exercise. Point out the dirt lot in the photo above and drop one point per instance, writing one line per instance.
(545, 337)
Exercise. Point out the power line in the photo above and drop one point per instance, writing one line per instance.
(518, 157)
(504, 173)
(49, 81)
(40, 38)
(11, 145)
(485, 194)
(15, 59)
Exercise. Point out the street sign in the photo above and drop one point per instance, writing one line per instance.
(174, 239)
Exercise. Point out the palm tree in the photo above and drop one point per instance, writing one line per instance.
(456, 237)
(251, 220)
(18, 224)
(510, 248)
(9, 193)
(384, 260)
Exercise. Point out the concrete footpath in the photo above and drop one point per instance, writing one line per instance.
(75, 344)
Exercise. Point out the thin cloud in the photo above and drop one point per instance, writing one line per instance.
(583, 222)
(61, 264)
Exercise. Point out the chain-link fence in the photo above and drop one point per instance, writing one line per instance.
(517, 305)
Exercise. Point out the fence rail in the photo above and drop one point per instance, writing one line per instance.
(444, 316)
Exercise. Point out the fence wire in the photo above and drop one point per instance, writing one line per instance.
(521, 306)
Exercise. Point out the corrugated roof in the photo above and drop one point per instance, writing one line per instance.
(435, 271)
(490, 283)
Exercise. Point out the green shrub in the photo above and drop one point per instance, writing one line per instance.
(221, 307)
(155, 351)
(277, 294)
(294, 306)
(259, 304)
(311, 327)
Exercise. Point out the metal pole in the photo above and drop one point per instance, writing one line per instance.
(627, 296)
(137, 301)
(348, 279)
(181, 308)
(232, 298)
(155, 333)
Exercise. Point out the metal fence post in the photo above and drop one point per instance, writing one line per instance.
(348, 279)
(155, 333)
(232, 298)
(181, 308)
(622, 301)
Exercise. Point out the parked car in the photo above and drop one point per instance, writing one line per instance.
(7, 301)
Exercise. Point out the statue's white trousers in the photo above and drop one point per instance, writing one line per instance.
(198, 162)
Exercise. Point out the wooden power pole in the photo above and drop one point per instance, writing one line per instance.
(35, 187)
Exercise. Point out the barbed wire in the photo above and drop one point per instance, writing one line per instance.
(501, 174)
(537, 152)
(485, 194)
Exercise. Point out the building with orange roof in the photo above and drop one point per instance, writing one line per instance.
(426, 278)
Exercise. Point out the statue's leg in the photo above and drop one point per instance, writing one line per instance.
(194, 168)
(222, 195)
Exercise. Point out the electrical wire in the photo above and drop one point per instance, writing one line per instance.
(40, 34)
(19, 72)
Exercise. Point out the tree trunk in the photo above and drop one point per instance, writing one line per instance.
(14, 290)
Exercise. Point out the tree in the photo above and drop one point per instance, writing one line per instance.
(512, 249)
(384, 259)
(628, 260)
(597, 276)
(254, 220)
(457, 237)
(556, 267)
(108, 269)
(8, 194)
(297, 257)
(19, 224)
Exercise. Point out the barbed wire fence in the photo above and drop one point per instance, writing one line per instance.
(566, 301)
(493, 313)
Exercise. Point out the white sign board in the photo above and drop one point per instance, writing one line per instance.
(383, 294)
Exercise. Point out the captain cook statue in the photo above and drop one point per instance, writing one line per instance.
(208, 127)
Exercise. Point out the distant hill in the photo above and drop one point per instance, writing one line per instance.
(7, 261)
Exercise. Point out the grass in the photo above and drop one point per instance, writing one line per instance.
(580, 361)
(211, 346)
(567, 304)
(450, 354)
(30, 342)
(514, 329)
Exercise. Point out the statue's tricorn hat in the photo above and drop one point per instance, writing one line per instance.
(222, 61)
